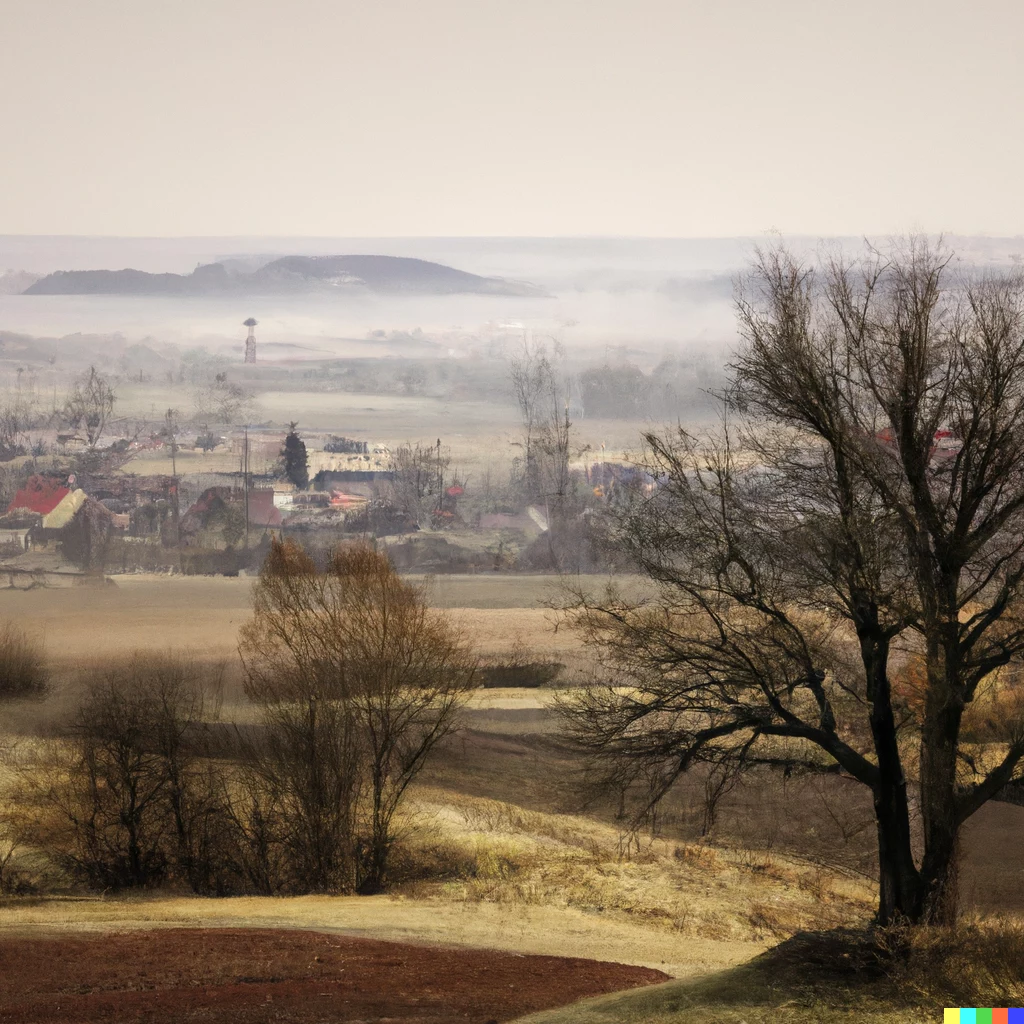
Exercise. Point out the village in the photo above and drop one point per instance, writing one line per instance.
(93, 506)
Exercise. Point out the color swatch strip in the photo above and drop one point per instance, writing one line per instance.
(983, 1015)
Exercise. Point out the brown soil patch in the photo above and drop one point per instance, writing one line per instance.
(252, 976)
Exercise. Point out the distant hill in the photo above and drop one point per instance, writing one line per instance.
(384, 274)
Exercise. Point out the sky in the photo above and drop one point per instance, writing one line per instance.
(663, 118)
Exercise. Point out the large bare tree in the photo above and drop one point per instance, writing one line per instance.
(862, 507)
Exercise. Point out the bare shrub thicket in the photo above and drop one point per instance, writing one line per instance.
(519, 666)
(23, 669)
(128, 795)
(356, 681)
(974, 962)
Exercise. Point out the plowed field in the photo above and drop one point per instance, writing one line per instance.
(252, 976)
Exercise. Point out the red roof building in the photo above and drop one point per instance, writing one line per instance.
(40, 494)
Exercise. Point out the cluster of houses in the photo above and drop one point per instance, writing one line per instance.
(211, 511)
(71, 515)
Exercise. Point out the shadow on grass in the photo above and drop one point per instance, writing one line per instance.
(842, 975)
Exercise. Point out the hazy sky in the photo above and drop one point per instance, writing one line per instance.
(526, 117)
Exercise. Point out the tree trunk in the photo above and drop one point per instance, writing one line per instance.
(899, 882)
(939, 735)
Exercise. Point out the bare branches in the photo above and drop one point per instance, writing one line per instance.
(351, 667)
(867, 490)
(89, 405)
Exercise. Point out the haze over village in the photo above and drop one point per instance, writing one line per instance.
(511, 513)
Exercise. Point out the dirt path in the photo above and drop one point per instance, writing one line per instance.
(514, 928)
(251, 976)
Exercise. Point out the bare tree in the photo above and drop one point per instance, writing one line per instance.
(89, 405)
(18, 414)
(542, 394)
(359, 681)
(418, 477)
(865, 498)
(720, 780)
(219, 400)
(532, 380)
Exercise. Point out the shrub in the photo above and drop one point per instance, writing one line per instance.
(133, 801)
(530, 675)
(23, 668)
(970, 964)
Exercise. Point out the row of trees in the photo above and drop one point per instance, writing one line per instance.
(677, 387)
(548, 442)
(353, 682)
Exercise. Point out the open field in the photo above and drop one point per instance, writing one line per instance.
(202, 614)
(523, 866)
(470, 925)
(479, 433)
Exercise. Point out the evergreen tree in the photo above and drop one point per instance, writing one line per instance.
(296, 462)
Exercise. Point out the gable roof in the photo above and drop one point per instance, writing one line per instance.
(262, 510)
(65, 510)
(40, 494)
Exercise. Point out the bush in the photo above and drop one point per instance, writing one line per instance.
(970, 964)
(528, 675)
(519, 667)
(132, 795)
(23, 669)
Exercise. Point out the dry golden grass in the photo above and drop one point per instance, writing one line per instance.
(699, 892)
(525, 881)
(518, 928)
(839, 976)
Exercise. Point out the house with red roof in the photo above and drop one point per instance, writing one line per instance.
(217, 517)
(40, 494)
(51, 510)
(46, 505)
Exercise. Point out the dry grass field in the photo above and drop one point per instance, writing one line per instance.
(202, 614)
(477, 432)
(501, 853)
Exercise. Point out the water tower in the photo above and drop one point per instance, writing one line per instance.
(250, 341)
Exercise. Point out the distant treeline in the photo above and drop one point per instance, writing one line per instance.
(676, 386)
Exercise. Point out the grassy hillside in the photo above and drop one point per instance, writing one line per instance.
(825, 978)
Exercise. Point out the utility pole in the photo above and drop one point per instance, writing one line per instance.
(172, 434)
(440, 479)
(245, 482)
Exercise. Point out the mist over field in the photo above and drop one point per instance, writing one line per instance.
(605, 298)
(651, 297)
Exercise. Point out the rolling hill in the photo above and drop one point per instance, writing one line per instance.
(343, 274)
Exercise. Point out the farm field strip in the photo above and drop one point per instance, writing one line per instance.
(514, 928)
(202, 614)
